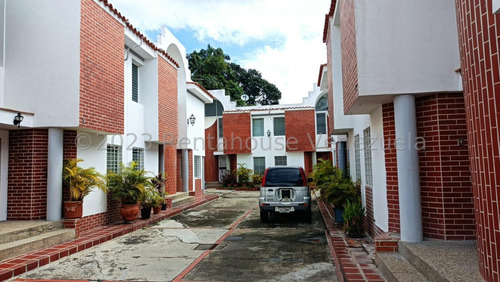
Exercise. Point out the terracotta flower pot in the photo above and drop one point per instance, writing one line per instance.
(129, 212)
(73, 209)
(156, 210)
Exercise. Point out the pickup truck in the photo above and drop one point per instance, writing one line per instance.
(284, 189)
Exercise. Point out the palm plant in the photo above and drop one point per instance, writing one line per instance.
(128, 184)
(81, 181)
(354, 214)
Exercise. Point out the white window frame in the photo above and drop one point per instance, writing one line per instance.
(264, 158)
(325, 118)
(253, 122)
(368, 156)
(116, 150)
(138, 152)
(197, 167)
(278, 160)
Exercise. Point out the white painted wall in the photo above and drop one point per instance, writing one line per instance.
(411, 47)
(149, 99)
(42, 46)
(196, 132)
(92, 149)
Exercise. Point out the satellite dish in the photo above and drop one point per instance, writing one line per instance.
(244, 97)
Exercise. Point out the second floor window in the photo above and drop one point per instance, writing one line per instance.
(279, 126)
(258, 127)
(135, 83)
(320, 123)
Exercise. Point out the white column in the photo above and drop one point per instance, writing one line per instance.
(410, 209)
(54, 174)
(185, 170)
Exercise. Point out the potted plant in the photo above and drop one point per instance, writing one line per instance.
(335, 189)
(354, 214)
(127, 186)
(80, 181)
(243, 174)
(159, 181)
(149, 199)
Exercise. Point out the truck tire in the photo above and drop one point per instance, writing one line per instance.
(264, 216)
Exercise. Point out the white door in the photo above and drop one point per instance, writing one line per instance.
(222, 168)
(4, 165)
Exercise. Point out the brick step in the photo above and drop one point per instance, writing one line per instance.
(396, 268)
(213, 184)
(35, 242)
(182, 201)
(17, 230)
(178, 195)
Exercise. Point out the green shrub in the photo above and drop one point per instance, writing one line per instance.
(335, 189)
(243, 173)
(354, 214)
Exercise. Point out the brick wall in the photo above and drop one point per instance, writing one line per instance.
(237, 133)
(233, 162)
(447, 200)
(27, 193)
(197, 188)
(370, 225)
(300, 129)
(391, 167)
(171, 165)
(101, 70)
(211, 161)
(191, 170)
(87, 223)
(349, 56)
(478, 30)
(324, 156)
(308, 163)
(329, 66)
(167, 101)
(69, 152)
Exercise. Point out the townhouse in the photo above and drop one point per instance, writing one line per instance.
(265, 135)
(412, 91)
(84, 83)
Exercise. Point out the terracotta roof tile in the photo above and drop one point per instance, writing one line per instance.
(202, 88)
(327, 19)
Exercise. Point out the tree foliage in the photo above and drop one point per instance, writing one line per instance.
(212, 69)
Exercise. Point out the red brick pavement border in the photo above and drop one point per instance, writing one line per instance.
(12, 267)
(351, 262)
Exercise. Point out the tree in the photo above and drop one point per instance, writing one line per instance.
(211, 68)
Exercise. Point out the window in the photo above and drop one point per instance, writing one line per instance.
(259, 165)
(114, 158)
(320, 123)
(357, 157)
(135, 83)
(138, 157)
(279, 160)
(279, 126)
(258, 127)
(221, 128)
(197, 167)
(368, 156)
(322, 104)
(214, 109)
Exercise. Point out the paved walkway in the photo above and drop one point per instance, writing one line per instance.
(354, 258)
(15, 266)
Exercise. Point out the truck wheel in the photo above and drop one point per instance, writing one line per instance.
(264, 216)
(308, 215)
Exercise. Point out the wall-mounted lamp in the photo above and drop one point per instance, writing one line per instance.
(268, 133)
(191, 120)
(18, 119)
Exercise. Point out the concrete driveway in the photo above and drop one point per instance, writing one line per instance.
(221, 240)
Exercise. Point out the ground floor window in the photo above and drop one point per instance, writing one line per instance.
(138, 157)
(368, 156)
(114, 158)
(279, 160)
(197, 167)
(259, 165)
(357, 157)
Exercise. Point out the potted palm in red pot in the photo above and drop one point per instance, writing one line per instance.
(80, 181)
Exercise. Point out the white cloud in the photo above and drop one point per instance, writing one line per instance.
(292, 65)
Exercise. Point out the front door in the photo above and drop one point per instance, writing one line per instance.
(4, 165)
(222, 168)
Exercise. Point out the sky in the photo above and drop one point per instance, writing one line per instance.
(280, 38)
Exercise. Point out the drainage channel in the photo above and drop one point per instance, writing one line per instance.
(209, 250)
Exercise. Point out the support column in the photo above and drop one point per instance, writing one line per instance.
(54, 174)
(410, 209)
(185, 170)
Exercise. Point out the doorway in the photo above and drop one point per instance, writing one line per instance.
(4, 169)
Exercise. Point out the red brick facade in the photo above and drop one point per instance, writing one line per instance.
(102, 43)
(211, 161)
(300, 128)
(479, 43)
(191, 170)
(391, 167)
(447, 202)
(27, 193)
(308, 162)
(349, 55)
(237, 133)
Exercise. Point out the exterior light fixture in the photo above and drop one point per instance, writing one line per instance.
(268, 133)
(191, 120)
(18, 119)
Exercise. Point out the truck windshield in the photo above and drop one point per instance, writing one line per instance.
(289, 177)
